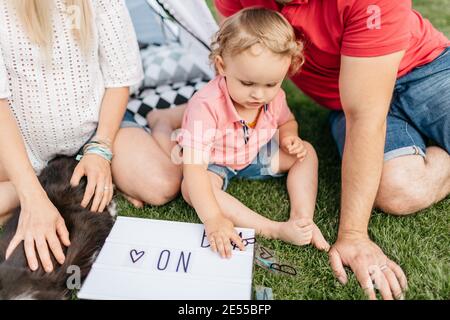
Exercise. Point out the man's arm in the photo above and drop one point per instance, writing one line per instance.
(366, 87)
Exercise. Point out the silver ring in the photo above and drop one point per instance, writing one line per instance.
(106, 188)
(383, 267)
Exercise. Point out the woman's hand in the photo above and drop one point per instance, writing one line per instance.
(220, 232)
(100, 186)
(40, 226)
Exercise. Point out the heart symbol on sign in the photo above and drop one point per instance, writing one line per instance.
(135, 255)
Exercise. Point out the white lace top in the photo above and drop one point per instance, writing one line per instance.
(57, 103)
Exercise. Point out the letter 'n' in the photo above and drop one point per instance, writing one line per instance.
(185, 263)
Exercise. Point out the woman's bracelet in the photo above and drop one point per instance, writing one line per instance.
(105, 141)
(98, 148)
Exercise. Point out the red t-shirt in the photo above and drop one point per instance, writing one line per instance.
(358, 28)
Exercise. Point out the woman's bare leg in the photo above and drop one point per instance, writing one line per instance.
(142, 170)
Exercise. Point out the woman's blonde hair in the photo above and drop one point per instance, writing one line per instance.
(258, 26)
(36, 17)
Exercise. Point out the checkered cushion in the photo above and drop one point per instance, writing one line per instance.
(163, 97)
(169, 64)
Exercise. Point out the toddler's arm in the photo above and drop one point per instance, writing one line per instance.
(219, 230)
(289, 140)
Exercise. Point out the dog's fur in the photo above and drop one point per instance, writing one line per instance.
(87, 230)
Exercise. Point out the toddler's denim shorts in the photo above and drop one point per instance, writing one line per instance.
(258, 169)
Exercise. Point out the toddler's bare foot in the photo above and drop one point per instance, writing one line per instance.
(318, 240)
(298, 232)
(159, 117)
(171, 117)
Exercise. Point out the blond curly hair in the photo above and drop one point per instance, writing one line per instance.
(261, 26)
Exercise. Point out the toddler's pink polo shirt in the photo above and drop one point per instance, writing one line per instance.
(212, 125)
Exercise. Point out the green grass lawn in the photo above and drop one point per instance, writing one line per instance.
(419, 243)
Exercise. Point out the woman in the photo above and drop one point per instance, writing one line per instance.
(65, 71)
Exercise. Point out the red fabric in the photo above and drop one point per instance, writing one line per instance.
(333, 28)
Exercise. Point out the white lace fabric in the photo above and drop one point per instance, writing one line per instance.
(56, 102)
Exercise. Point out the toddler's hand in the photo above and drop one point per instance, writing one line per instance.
(294, 145)
(220, 232)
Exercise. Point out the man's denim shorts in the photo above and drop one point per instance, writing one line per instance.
(420, 110)
(258, 169)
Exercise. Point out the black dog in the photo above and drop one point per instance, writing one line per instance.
(87, 230)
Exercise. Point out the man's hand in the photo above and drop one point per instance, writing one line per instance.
(371, 267)
(220, 232)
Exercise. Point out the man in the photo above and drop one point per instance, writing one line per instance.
(385, 71)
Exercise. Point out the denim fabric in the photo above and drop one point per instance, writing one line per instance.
(258, 169)
(420, 110)
(128, 121)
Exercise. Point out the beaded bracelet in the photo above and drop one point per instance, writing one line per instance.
(91, 144)
(95, 147)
